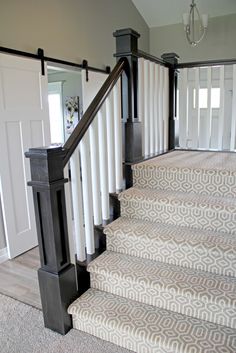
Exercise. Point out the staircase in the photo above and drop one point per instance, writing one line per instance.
(167, 281)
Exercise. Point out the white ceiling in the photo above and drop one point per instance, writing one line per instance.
(165, 12)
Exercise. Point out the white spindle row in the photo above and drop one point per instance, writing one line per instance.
(96, 171)
(153, 107)
(207, 107)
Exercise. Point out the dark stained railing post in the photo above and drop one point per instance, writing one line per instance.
(172, 58)
(127, 46)
(57, 280)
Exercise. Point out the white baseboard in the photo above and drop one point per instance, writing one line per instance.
(3, 255)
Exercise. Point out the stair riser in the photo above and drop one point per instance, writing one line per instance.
(214, 185)
(173, 301)
(209, 260)
(115, 336)
(146, 329)
(200, 218)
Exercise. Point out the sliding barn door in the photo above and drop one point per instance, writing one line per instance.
(24, 123)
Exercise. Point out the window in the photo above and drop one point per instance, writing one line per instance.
(203, 101)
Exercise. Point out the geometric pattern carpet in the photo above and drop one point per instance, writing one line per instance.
(167, 281)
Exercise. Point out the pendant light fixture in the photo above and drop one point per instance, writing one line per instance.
(195, 25)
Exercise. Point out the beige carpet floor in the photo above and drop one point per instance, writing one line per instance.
(22, 331)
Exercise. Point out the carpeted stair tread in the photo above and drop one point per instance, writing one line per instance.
(193, 161)
(179, 198)
(199, 172)
(190, 292)
(182, 246)
(144, 328)
(185, 209)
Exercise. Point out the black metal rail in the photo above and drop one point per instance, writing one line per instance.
(50, 59)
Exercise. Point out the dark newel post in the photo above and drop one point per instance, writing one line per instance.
(127, 46)
(172, 58)
(57, 280)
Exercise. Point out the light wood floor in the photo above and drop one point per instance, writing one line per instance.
(18, 278)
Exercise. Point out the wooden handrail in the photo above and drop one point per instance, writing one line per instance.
(93, 108)
(206, 63)
(147, 56)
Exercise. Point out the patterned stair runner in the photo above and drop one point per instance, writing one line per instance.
(212, 174)
(167, 282)
(178, 208)
(181, 246)
(144, 328)
(185, 291)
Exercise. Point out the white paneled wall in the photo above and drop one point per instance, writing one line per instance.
(96, 171)
(153, 106)
(207, 107)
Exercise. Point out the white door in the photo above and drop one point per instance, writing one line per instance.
(24, 123)
(91, 87)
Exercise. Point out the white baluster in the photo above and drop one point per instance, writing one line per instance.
(196, 120)
(146, 109)
(222, 108)
(77, 201)
(118, 137)
(70, 227)
(156, 110)
(161, 130)
(110, 143)
(94, 149)
(166, 108)
(141, 98)
(183, 107)
(209, 109)
(87, 194)
(103, 163)
(233, 123)
(151, 105)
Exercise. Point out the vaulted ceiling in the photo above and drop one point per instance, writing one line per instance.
(165, 12)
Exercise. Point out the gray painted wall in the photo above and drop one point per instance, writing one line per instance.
(219, 42)
(72, 30)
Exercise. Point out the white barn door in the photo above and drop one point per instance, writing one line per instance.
(24, 123)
